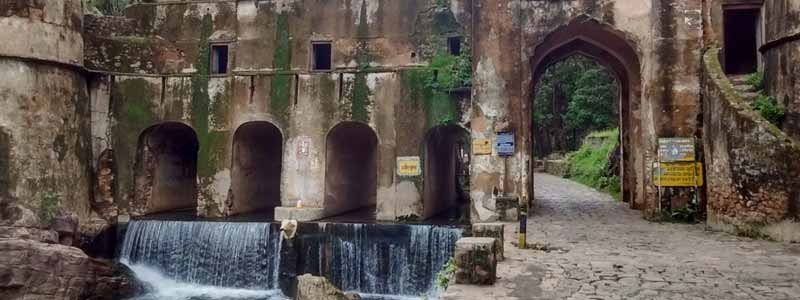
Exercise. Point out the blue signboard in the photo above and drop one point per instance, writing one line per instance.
(504, 143)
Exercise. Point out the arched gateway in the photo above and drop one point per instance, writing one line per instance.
(609, 47)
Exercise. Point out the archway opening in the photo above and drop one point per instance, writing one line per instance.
(256, 168)
(609, 48)
(351, 169)
(576, 123)
(167, 167)
(446, 173)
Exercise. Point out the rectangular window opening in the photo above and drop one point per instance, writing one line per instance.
(219, 59)
(454, 45)
(322, 52)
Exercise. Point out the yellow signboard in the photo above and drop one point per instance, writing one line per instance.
(481, 147)
(408, 166)
(678, 174)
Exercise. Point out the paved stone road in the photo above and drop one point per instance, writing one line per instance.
(610, 252)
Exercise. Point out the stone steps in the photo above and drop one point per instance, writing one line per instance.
(742, 87)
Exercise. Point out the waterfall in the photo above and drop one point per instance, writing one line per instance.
(225, 260)
(380, 258)
(231, 255)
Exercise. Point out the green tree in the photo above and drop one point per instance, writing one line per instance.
(573, 98)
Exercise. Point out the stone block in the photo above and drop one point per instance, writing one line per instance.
(476, 261)
(299, 214)
(507, 208)
(491, 230)
(311, 287)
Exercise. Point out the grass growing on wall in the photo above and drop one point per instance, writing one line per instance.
(589, 165)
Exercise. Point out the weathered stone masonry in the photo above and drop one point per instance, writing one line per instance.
(143, 112)
(45, 115)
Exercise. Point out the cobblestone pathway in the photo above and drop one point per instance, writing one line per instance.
(603, 250)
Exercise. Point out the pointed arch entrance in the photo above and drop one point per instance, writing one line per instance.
(609, 47)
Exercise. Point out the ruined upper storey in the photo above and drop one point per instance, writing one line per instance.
(269, 36)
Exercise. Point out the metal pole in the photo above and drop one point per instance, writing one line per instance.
(523, 223)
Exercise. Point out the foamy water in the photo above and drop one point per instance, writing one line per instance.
(165, 288)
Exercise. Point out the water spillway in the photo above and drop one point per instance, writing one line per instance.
(221, 260)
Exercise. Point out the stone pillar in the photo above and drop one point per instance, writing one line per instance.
(491, 230)
(476, 261)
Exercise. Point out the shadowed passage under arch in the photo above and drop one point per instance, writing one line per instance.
(256, 168)
(166, 168)
(351, 168)
(446, 171)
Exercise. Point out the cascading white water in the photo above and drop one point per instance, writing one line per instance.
(221, 260)
(385, 259)
(204, 260)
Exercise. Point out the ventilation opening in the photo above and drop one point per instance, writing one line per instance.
(454, 45)
(219, 59)
(446, 172)
(256, 169)
(351, 168)
(322, 56)
(167, 166)
(741, 40)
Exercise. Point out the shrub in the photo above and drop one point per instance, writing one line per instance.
(49, 206)
(769, 108)
(443, 277)
(756, 80)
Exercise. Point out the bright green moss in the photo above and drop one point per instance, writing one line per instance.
(280, 95)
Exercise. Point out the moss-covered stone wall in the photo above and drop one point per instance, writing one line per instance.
(373, 81)
(756, 171)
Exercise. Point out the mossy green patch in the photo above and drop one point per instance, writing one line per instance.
(133, 111)
(327, 90)
(432, 85)
(212, 143)
(359, 92)
(281, 84)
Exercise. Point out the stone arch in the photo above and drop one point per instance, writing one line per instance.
(351, 168)
(256, 166)
(445, 147)
(166, 168)
(610, 48)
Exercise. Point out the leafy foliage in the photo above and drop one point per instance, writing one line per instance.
(590, 93)
(49, 206)
(589, 165)
(443, 277)
(756, 80)
(769, 108)
(433, 84)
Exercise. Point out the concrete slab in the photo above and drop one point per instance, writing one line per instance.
(299, 214)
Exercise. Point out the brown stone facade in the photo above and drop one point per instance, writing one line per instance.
(146, 117)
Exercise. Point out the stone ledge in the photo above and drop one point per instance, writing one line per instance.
(299, 214)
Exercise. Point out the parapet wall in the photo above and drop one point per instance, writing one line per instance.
(756, 168)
